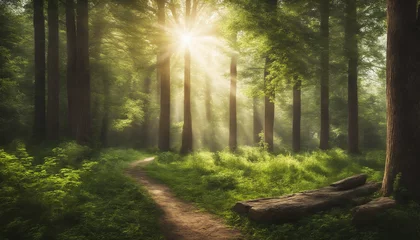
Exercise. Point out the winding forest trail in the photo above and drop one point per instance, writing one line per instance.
(181, 221)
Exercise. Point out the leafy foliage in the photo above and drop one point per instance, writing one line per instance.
(71, 197)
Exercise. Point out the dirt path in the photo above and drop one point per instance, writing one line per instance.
(181, 220)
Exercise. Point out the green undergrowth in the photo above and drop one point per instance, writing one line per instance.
(215, 181)
(73, 193)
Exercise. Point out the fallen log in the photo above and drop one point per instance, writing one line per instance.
(350, 182)
(295, 206)
(369, 211)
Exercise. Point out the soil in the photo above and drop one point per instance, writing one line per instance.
(181, 220)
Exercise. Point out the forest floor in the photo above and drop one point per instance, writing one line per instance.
(181, 220)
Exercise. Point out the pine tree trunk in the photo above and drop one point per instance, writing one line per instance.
(232, 104)
(269, 110)
(187, 129)
(187, 136)
(352, 57)
(297, 110)
(146, 123)
(39, 104)
(84, 131)
(71, 67)
(53, 126)
(165, 85)
(325, 91)
(403, 103)
(209, 132)
(258, 127)
(107, 108)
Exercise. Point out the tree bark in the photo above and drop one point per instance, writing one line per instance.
(295, 206)
(209, 100)
(71, 68)
(269, 110)
(107, 109)
(297, 112)
(187, 129)
(146, 123)
(258, 127)
(352, 57)
(39, 104)
(84, 131)
(187, 135)
(164, 68)
(325, 91)
(233, 144)
(53, 124)
(403, 103)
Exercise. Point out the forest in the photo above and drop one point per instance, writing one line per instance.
(209, 119)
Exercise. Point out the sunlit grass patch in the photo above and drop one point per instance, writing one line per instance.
(215, 181)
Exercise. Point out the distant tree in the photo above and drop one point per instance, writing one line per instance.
(233, 128)
(71, 68)
(269, 109)
(352, 54)
(187, 135)
(324, 71)
(257, 124)
(270, 9)
(53, 125)
(163, 72)
(297, 113)
(403, 115)
(84, 129)
(39, 131)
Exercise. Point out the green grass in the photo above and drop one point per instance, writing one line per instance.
(75, 193)
(215, 181)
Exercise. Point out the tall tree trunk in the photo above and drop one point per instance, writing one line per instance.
(209, 132)
(325, 90)
(208, 100)
(233, 144)
(269, 110)
(165, 84)
(71, 68)
(53, 124)
(403, 103)
(39, 111)
(107, 108)
(187, 128)
(258, 127)
(84, 131)
(146, 123)
(352, 56)
(297, 112)
(187, 136)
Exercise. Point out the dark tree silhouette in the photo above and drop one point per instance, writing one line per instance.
(269, 110)
(71, 67)
(163, 72)
(258, 126)
(325, 89)
(53, 124)
(187, 135)
(352, 54)
(233, 128)
(84, 131)
(297, 113)
(39, 130)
